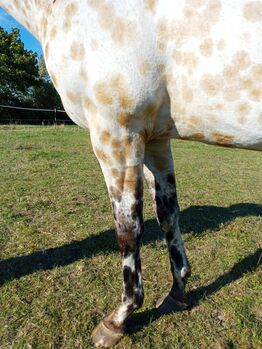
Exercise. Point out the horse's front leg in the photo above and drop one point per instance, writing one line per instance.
(121, 161)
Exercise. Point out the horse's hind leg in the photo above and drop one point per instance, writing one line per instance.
(159, 173)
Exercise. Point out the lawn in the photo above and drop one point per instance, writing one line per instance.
(59, 262)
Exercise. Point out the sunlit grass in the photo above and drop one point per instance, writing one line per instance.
(59, 262)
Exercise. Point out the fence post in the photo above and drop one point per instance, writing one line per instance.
(55, 116)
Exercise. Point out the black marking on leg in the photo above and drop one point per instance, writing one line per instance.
(139, 189)
(138, 299)
(171, 178)
(169, 236)
(165, 201)
(129, 281)
(157, 186)
(176, 257)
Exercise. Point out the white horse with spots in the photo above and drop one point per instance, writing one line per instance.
(137, 73)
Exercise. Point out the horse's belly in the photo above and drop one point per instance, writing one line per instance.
(215, 81)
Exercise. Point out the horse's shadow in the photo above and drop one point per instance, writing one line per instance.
(195, 219)
(198, 219)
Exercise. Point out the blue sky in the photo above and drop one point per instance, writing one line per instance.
(8, 22)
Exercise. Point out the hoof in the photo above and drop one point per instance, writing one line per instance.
(103, 337)
(168, 305)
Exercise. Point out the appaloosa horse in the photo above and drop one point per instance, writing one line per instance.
(138, 73)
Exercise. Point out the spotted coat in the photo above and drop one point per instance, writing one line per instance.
(138, 73)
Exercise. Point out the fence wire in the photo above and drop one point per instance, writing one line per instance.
(32, 109)
(16, 118)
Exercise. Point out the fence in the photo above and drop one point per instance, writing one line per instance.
(32, 116)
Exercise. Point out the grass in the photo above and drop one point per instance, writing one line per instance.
(59, 262)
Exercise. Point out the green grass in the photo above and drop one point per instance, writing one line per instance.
(59, 262)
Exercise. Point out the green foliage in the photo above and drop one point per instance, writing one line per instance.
(43, 73)
(24, 79)
(44, 95)
(18, 68)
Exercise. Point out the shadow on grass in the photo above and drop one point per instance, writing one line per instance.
(196, 219)
(249, 264)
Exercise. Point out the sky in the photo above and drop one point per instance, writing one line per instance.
(7, 22)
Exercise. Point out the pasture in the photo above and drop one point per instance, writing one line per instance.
(59, 262)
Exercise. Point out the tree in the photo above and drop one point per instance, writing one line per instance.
(44, 94)
(18, 68)
(43, 73)
(24, 81)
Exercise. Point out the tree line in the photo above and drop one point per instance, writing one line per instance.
(24, 82)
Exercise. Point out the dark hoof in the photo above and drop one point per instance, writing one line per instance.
(168, 305)
(103, 337)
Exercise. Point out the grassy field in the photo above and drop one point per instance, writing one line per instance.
(59, 262)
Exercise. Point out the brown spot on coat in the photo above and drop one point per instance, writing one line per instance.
(151, 5)
(102, 94)
(151, 110)
(252, 11)
(116, 143)
(47, 50)
(241, 60)
(187, 94)
(231, 93)
(89, 105)
(123, 31)
(206, 47)
(120, 88)
(222, 139)
(195, 120)
(198, 136)
(221, 45)
(231, 73)
(119, 156)
(123, 119)
(195, 3)
(255, 94)
(77, 51)
(102, 156)
(144, 68)
(71, 96)
(66, 25)
(125, 101)
(256, 72)
(243, 108)
(131, 178)
(83, 73)
(42, 26)
(114, 172)
(161, 69)
(211, 84)
(53, 33)
(115, 193)
(105, 137)
(242, 119)
(246, 83)
(71, 9)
